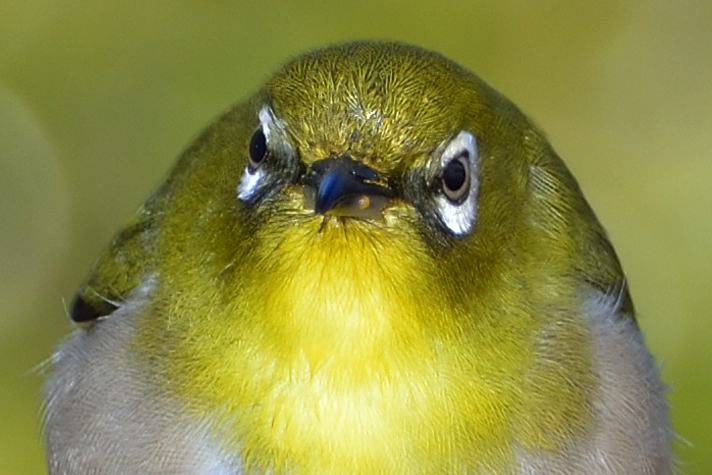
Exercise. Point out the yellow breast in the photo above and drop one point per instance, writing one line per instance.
(342, 354)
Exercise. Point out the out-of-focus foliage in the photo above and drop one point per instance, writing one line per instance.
(98, 98)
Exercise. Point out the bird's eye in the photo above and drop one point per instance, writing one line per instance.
(456, 178)
(257, 149)
(456, 184)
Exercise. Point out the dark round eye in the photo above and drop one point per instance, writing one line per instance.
(258, 148)
(456, 178)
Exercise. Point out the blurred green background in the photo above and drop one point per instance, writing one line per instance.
(98, 98)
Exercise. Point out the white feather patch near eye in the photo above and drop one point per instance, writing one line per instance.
(460, 217)
(268, 121)
(251, 179)
(249, 183)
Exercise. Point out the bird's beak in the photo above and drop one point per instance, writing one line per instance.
(342, 186)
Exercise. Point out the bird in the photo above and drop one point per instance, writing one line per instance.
(375, 264)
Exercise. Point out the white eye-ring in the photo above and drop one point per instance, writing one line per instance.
(257, 150)
(457, 200)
